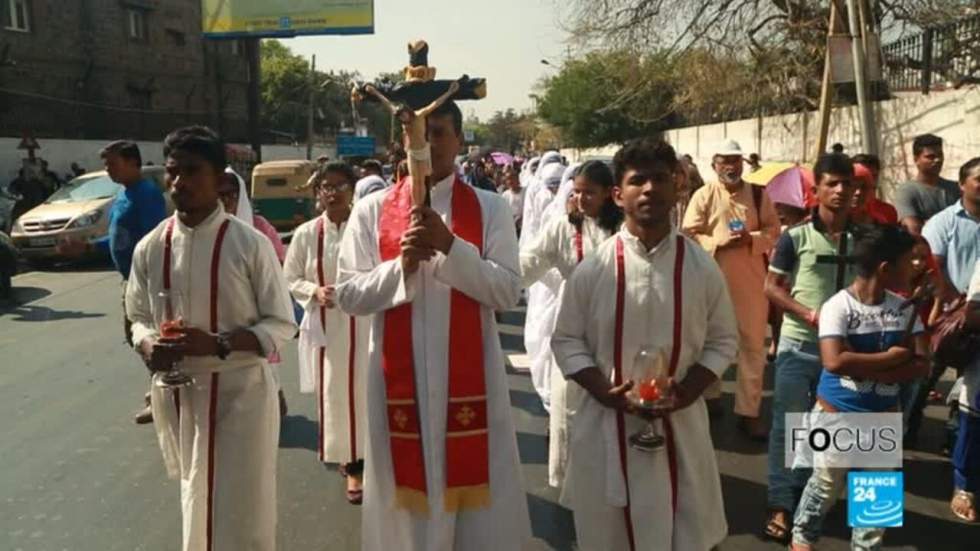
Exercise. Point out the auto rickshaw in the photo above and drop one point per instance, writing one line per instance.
(279, 193)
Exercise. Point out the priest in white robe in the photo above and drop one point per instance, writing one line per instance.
(542, 295)
(646, 287)
(444, 472)
(333, 345)
(564, 241)
(220, 434)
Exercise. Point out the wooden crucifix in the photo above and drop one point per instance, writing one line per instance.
(412, 101)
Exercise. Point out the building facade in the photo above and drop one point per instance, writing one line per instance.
(107, 69)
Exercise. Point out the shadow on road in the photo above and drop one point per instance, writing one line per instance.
(528, 401)
(297, 431)
(20, 309)
(551, 522)
(533, 448)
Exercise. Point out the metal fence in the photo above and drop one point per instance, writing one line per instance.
(936, 59)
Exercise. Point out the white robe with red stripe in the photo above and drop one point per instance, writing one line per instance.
(221, 434)
(595, 485)
(558, 247)
(333, 350)
(368, 286)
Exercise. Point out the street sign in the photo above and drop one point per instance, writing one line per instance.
(355, 146)
(285, 18)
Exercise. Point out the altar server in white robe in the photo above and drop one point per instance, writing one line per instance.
(646, 288)
(220, 434)
(333, 346)
(564, 241)
(542, 296)
(443, 470)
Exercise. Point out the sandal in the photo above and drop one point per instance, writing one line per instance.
(777, 529)
(963, 496)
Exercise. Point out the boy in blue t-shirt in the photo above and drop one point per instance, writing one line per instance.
(868, 344)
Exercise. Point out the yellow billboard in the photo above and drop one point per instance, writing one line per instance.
(271, 18)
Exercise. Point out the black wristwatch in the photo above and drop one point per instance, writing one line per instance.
(224, 346)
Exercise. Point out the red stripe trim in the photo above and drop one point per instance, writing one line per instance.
(352, 350)
(579, 253)
(167, 247)
(618, 380)
(674, 359)
(212, 427)
(320, 278)
(215, 264)
(319, 404)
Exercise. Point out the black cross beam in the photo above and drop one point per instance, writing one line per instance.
(842, 260)
(417, 95)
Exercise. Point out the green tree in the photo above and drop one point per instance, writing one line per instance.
(585, 103)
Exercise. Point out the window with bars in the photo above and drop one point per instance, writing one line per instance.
(136, 19)
(18, 15)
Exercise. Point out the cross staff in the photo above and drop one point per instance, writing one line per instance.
(412, 102)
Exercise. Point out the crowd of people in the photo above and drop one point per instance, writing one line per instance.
(644, 285)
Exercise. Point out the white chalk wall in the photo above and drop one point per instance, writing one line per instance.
(953, 115)
(61, 153)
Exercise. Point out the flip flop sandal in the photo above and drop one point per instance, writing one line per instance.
(773, 528)
(969, 498)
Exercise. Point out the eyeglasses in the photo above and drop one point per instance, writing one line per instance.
(323, 188)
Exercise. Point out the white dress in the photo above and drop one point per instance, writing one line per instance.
(595, 486)
(221, 434)
(333, 346)
(559, 246)
(369, 286)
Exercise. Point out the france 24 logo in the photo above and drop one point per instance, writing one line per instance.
(875, 499)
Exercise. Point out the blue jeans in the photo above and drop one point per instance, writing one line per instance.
(798, 370)
(966, 454)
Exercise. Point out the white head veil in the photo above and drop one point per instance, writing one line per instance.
(557, 206)
(244, 209)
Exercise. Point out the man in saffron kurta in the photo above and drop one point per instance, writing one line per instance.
(714, 210)
(443, 471)
(646, 287)
(220, 434)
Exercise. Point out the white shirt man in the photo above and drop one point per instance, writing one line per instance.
(220, 434)
(615, 304)
(444, 471)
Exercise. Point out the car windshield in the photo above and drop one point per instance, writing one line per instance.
(85, 188)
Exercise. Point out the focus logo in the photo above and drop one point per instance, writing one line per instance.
(875, 499)
(843, 440)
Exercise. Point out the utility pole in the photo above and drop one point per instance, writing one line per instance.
(869, 139)
(309, 112)
(254, 135)
(827, 88)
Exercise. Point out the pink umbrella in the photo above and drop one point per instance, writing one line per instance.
(501, 158)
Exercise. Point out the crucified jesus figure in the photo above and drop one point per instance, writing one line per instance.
(416, 144)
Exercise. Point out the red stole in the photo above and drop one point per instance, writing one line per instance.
(579, 254)
(618, 371)
(467, 447)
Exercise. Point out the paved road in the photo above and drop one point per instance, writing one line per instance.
(77, 474)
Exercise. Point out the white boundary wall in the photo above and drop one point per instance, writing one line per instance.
(60, 154)
(952, 115)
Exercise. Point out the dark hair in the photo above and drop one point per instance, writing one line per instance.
(874, 244)
(450, 108)
(643, 151)
(199, 140)
(868, 160)
(925, 141)
(372, 164)
(337, 167)
(837, 148)
(967, 168)
(610, 215)
(832, 163)
(124, 148)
